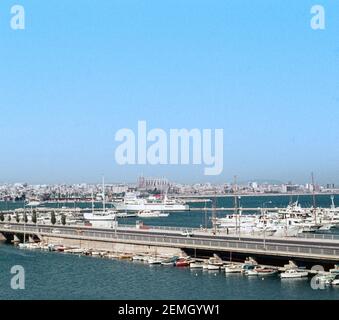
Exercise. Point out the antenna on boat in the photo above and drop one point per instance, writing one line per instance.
(236, 204)
(332, 202)
(103, 195)
(214, 213)
(92, 201)
(313, 196)
(205, 209)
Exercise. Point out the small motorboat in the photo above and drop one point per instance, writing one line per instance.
(182, 262)
(214, 263)
(87, 252)
(60, 248)
(75, 251)
(139, 258)
(249, 265)
(170, 261)
(96, 253)
(124, 256)
(51, 247)
(266, 271)
(154, 260)
(233, 268)
(151, 214)
(213, 267)
(251, 272)
(23, 245)
(293, 273)
(196, 265)
(44, 247)
(325, 278)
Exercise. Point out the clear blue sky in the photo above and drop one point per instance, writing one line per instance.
(84, 69)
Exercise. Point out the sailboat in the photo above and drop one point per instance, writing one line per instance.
(104, 218)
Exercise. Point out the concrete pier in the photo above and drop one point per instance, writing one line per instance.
(159, 240)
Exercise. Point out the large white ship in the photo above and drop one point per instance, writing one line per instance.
(133, 203)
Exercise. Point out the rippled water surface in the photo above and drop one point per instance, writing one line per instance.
(63, 276)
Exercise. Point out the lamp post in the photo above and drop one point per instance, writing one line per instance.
(238, 211)
(80, 233)
(205, 213)
(115, 225)
(24, 215)
(264, 212)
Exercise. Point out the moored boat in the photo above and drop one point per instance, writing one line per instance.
(170, 261)
(196, 265)
(154, 260)
(60, 248)
(139, 257)
(74, 250)
(214, 263)
(151, 214)
(233, 268)
(325, 278)
(182, 262)
(125, 256)
(293, 273)
(266, 271)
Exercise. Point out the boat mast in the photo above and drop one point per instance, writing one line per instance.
(92, 201)
(103, 194)
(236, 205)
(214, 213)
(25, 222)
(313, 196)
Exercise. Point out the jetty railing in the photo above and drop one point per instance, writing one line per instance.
(286, 247)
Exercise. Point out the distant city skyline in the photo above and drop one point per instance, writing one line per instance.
(135, 182)
(82, 70)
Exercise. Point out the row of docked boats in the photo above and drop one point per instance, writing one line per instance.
(289, 221)
(249, 268)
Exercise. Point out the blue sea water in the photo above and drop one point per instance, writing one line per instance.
(51, 275)
(63, 276)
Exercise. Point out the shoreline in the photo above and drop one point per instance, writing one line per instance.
(256, 195)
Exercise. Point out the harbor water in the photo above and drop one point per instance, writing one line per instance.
(51, 275)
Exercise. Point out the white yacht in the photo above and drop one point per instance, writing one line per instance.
(101, 219)
(133, 203)
(151, 214)
(33, 203)
(104, 218)
(293, 273)
(233, 268)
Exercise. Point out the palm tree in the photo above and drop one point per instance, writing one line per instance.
(53, 219)
(25, 218)
(63, 220)
(34, 216)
